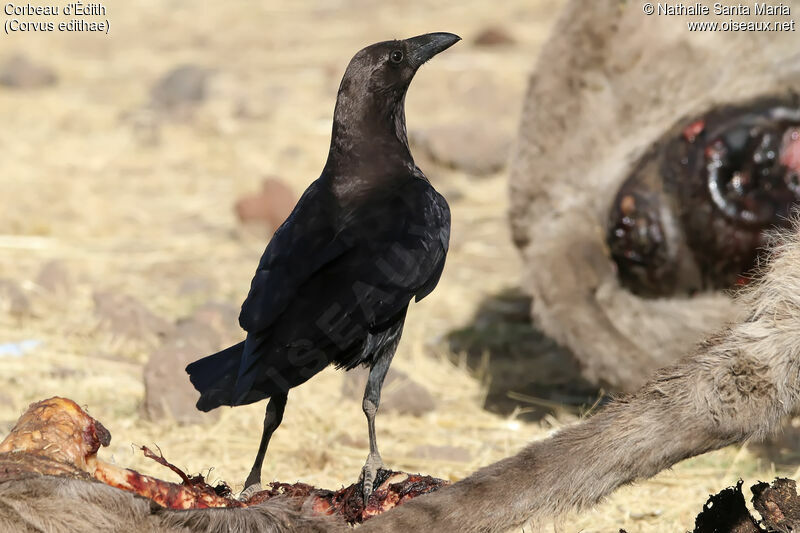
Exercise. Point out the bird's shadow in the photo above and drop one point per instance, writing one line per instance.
(526, 371)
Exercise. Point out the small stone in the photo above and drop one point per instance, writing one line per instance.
(475, 148)
(268, 207)
(494, 36)
(19, 72)
(168, 393)
(221, 317)
(125, 316)
(13, 299)
(182, 87)
(192, 332)
(54, 276)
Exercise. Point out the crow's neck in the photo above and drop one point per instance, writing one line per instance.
(369, 139)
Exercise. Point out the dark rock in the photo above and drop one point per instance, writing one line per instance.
(168, 393)
(494, 36)
(400, 393)
(13, 299)
(182, 87)
(19, 72)
(197, 334)
(54, 276)
(442, 453)
(127, 317)
(473, 147)
(223, 318)
(267, 208)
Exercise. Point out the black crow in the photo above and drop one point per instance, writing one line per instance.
(335, 281)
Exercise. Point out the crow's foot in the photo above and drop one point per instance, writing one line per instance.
(369, 473)
(249, 491)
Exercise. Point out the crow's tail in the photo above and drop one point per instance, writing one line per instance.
(215, 377)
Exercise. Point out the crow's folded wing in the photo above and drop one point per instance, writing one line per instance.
(367, 269)
(303, 244)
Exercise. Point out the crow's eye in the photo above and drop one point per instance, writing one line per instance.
(396, 56)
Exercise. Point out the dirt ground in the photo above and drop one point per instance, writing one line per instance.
(139, 201)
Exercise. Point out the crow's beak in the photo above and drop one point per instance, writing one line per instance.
(424, 47)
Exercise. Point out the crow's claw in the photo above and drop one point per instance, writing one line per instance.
(369, 473)
(249, 492)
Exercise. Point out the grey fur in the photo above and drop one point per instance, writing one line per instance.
(738, 384)
(608, 83)
(47, 504)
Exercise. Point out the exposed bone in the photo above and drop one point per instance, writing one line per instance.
(57, 437)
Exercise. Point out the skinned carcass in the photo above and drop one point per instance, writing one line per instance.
(51, 480)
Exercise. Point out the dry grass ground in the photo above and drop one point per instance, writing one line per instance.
(88, 179)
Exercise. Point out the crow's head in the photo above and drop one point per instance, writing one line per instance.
(370, 103)
(389, 66)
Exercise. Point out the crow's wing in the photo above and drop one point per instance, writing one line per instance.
(401, 260)
(396, 251)
(438, 219)
(303, 244)
(389, 250)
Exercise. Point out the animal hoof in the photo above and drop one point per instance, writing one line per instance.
(249, 492)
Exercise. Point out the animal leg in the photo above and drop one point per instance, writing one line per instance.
(737, 385)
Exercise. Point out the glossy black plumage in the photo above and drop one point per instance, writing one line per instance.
(306, 310)
(367, 237)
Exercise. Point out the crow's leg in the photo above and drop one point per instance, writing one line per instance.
(372, 399)
(272, 419)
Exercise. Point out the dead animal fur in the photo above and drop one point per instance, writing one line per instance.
(738, 384)
(608, 84)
